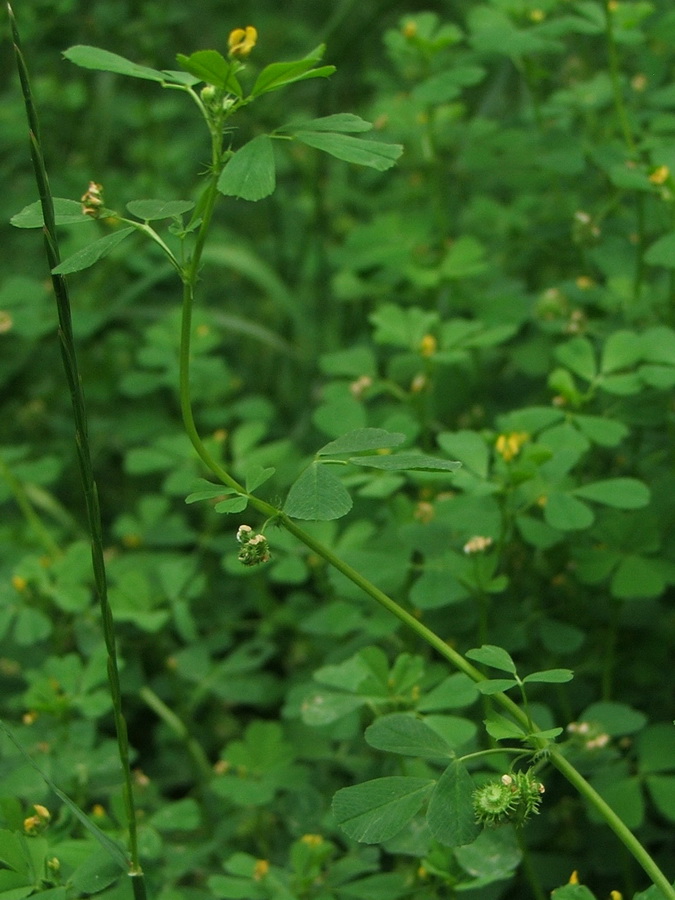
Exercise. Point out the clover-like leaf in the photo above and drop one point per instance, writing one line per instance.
(362, 440)
(317, 495)
(150, 210)
(377, 810)
(495, 657)
(250, 173)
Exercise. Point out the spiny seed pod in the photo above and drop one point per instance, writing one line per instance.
(514, 798)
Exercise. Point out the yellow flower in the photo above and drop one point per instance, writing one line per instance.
(428, 345)
(31, 824)
(35, 824)
(615, 895)
(242, 40)
(509, 445)
(260, 869)
(660, 175)
(312, 840)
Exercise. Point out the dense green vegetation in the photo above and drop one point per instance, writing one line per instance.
(349, 666)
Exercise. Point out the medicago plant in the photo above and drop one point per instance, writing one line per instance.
(466, 799)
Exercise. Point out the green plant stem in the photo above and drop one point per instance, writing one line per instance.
(431, 638)
(32, 518)
(614, 75)
(71, 368)
(624, 834)
(180, 729)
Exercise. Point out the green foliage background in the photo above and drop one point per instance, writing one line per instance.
(503, 297)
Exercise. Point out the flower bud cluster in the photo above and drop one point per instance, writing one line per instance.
(254, 547)
(92, 200)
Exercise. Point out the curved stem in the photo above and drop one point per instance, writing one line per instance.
(625, 835)
(180, 729)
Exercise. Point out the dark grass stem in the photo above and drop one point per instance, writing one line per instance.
(70, 365)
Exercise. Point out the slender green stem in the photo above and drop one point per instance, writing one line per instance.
(624, 834)
(152, 234)
(615, 78)
(71, 368)
(180, 729)
(39, 529)
(479, 754)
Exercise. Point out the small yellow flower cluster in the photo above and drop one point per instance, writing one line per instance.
(428, 345)
(260, 869)
(660, 175)
(37, 823)
(583, 282)
(312, 840)
(242, 40)
(509, 445)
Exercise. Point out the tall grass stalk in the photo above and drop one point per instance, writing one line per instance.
(69, 357)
